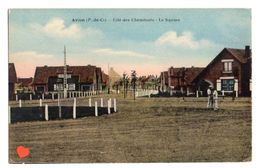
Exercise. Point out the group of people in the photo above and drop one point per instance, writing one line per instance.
(212, 98)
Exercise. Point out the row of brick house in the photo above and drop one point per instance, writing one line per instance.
(228, 72)
(12, 80)
(79, 78)
(178, 79)
(50, 79)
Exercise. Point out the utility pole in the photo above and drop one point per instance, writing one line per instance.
(124, 78)
(59, 105)
(65, 75)
(108, 88)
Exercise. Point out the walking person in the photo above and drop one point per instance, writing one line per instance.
(215, 99)
(210, 97)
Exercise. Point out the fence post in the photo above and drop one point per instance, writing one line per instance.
(30, 96)
(236, 93)
(101, 102)
(108, 106)
(197, 93)
(89, 102)
(46, 112)
(40, 102)
(114, 104)
(96, 109)
(43, 96)
(9, 114)
(52, 96)
(16, 97)
(74, 109)
(20, 103)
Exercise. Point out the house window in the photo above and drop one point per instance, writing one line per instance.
(227, 84)
(40, 88)
(228, 67)
(71, 86)
(58, 87)
(86, 87)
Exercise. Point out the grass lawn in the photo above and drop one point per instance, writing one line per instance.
(145, 130)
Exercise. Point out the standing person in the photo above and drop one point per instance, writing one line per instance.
(209, 92)
(215, 99)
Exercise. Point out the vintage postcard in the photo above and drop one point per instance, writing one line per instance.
(130, 85)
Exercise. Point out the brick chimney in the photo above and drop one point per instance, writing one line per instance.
(247, 51)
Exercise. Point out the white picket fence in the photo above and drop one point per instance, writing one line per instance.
(141, 93)
(96, 104)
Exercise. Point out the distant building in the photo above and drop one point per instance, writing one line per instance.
(24, 85)
(179, 79)
(105, 80)
(148, 82)
(229, 71)
(79, 78)
(12, 80)
(114, 77)
(164, 85)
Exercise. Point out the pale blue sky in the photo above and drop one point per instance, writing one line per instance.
(37, 37)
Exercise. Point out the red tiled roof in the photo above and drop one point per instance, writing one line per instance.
(12, 73)
(188, 73)
(143, 78)
(25, 81)
(192, 73)
(104, 78)
(239, 54)
(85, 73)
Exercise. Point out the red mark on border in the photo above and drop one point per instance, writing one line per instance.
(22, 151)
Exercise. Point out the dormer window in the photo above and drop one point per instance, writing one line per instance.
(227, 64)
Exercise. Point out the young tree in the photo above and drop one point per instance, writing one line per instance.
(133, 81)
(124, 83)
